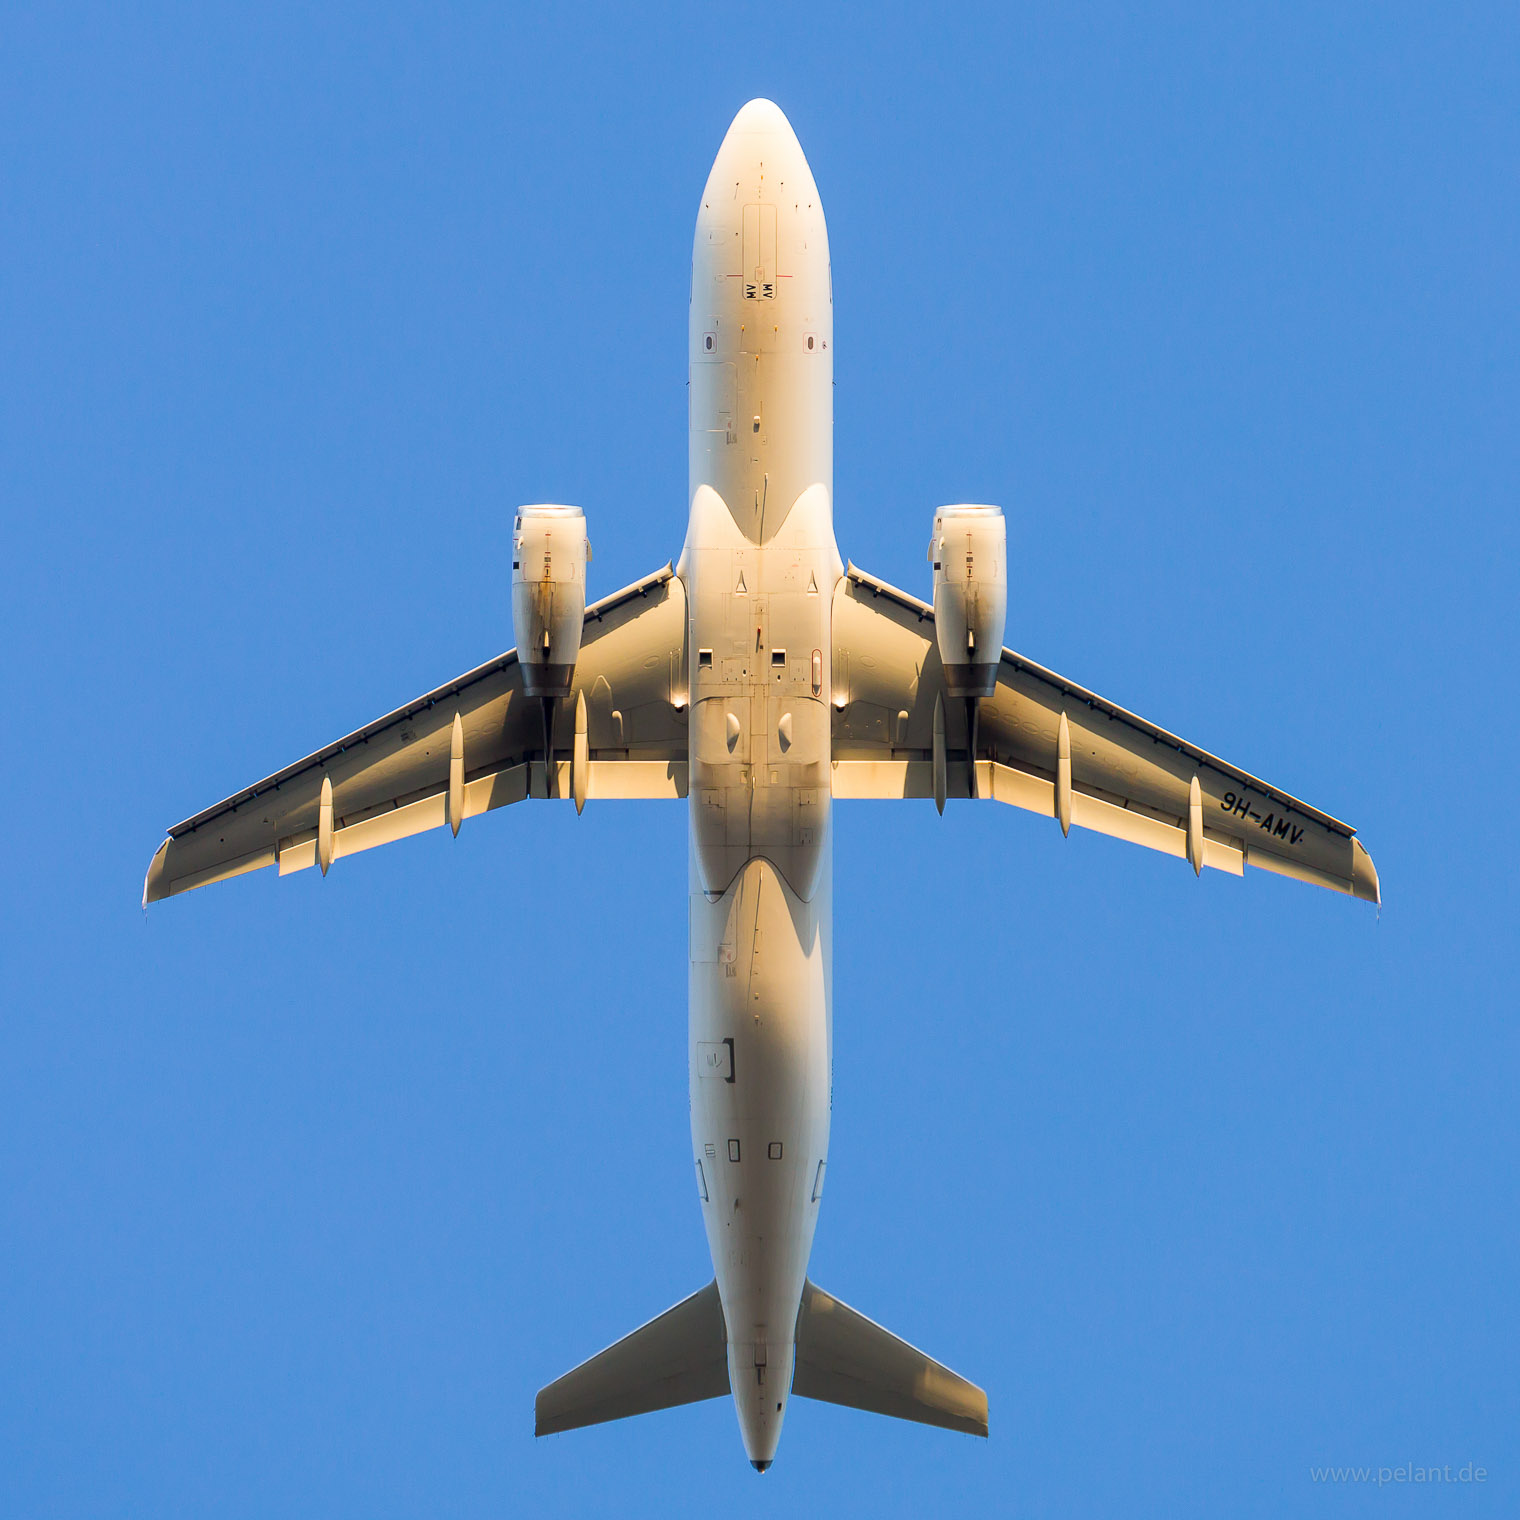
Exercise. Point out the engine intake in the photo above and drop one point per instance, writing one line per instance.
(549, 554)
(969, 552)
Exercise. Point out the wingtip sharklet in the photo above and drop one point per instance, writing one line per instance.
(1364, 876)
(153, 888)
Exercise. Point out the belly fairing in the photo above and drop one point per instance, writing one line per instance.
(759, 644)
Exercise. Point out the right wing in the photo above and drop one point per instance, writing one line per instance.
(1048, 745)
(393, 777)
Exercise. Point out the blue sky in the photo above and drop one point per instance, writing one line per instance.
(306, 1186)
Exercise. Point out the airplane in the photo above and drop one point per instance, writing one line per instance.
(760, 679)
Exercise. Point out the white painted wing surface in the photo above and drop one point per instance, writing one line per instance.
(395, 776)
(1045, 744)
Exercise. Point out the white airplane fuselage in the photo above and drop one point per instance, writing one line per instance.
(759, 567)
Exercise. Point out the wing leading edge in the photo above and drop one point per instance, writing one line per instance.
(463, 749)
(1052, 747)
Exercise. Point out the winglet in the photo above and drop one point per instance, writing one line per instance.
(153, 882)
(1364, 876)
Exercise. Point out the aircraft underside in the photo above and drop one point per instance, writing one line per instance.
(759, 680)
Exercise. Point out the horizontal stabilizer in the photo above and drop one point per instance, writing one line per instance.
(678, 1358)
(844, 1358)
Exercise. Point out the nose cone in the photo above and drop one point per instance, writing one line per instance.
(761, 156)
(762, 116)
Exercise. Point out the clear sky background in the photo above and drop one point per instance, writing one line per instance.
(307, 1186)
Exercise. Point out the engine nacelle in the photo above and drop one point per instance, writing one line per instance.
(549, 554)
(969, 552)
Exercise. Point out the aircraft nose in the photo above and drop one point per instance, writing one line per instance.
(761, 133)
(761, 115)
(761, 152)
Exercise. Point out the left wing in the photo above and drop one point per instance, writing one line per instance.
(472, 745)
(1043, 743)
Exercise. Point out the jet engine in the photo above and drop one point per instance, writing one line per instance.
(549, 554)
(969, 552)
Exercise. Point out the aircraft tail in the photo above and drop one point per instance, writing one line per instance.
(681, 1357)
(845, 1358)
(677, 1358)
